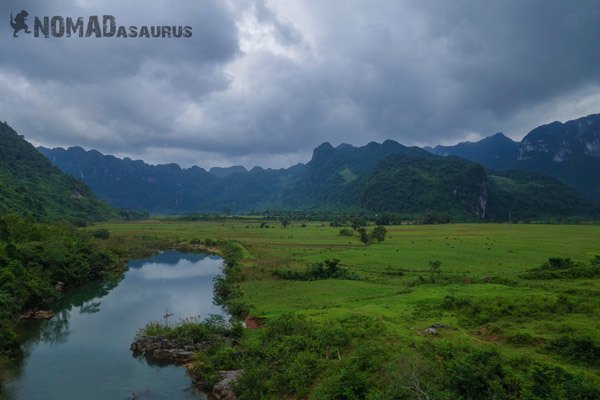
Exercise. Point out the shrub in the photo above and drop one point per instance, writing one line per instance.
(210, 242)
(523, 339)
(328, 269)
(232, 253)
(564, 268)
(102, 233)
(579, 349)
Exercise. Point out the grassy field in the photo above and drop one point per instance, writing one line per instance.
(479, 291)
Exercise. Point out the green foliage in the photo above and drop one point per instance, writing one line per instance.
(472, 373)
(478, 312)
(432, 218)
(192, 331)
(358, 222)
(102, 233)
(31, 185)
(379, 233)
(564, 268)
(580, 349)
(522, 339)
(328, 269)
(232, 253)
(436, 268)
(480, 374)
(34, 257)
(287, 355)
(346, 232)
(364, 236)
(336, 223)
(388, 218)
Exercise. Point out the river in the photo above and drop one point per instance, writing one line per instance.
(83, 351)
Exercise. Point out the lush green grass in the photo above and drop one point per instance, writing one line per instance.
(482, 267)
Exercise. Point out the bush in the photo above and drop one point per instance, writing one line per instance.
(232, 253)
(388, 218)
(564, 268)
(285, 358)
(328, 269)
(523, 339)
(474, 313)
(34, 256)
(102, 233)
(192, 331)
(210, 242)
(579, 349)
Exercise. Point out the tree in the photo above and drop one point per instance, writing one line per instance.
(364, 236)
(436, 267)
(336, 223)
(4, 233)
(358, 222)
(379, 233)
(388, 218)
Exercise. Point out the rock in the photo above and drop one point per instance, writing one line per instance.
(41, 314)
(161, 348)
(431, 331)
(201, 345)
(222, 390)
(439, 326)
(174, 355)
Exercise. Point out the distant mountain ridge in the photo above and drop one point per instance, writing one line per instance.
(131, 184)
(374, 178)
(222, 172)
(569, 152)
(496, 152)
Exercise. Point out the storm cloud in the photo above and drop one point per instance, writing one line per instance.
(264, 82)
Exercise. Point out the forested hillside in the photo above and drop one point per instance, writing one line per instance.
(30, 184)
(569, 152)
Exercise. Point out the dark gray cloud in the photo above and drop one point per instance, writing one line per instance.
(264, 82)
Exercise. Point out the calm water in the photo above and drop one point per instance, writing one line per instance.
(83, 352)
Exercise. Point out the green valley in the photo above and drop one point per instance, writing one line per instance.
(398, 318)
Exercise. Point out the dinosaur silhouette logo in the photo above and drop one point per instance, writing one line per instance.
(18, 22)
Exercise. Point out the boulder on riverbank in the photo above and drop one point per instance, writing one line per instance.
(222, 390)
(39, 314)
(162, 349)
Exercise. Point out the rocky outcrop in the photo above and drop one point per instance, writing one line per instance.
(162, 349)
(39, 314)
(222, 390)
(435, 329)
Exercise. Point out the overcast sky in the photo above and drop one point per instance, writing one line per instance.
(264, 82)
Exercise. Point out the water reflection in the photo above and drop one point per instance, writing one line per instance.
(83, 351)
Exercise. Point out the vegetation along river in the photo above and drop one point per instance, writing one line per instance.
(83, 351)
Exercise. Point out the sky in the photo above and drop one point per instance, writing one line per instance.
(263, 82)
